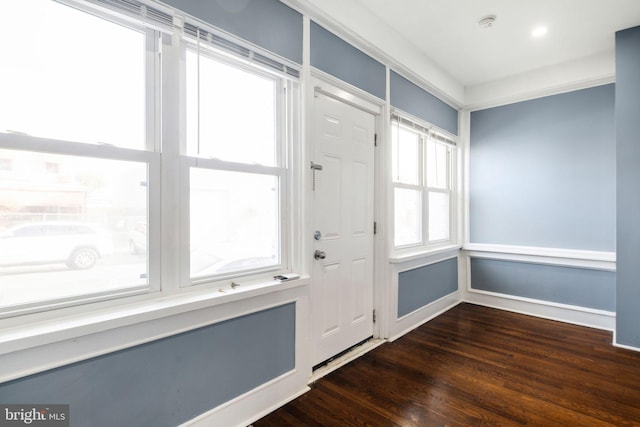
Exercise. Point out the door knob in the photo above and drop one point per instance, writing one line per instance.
(319, 254)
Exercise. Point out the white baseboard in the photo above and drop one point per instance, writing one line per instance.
(421, 316)
(626, 347)
(581, 316)
(255, 404)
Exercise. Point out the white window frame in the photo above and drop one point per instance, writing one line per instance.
(148, 155)
(286, 91)
(426, 131)
(166, 158)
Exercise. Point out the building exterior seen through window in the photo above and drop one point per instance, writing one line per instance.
(84, 166)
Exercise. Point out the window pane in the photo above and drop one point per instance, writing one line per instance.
(437, 167)
(408, 214)
(234, 222)
(65, 231)
(231, 113)
(438, 216)
(71, 76)
(406, 155)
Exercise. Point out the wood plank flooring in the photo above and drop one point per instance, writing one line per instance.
(478, 366)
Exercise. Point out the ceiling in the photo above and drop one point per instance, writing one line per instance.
(448, 33)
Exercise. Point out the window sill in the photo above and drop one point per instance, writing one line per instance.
(39, 346)
(420, 253)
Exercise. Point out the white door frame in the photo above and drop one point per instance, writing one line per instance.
(335, 88)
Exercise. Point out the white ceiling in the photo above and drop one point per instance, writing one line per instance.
(441, 43)
(447, 31)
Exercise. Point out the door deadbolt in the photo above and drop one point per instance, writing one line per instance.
(318, 254)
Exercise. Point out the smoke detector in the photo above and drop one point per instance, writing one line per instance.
(487, 22)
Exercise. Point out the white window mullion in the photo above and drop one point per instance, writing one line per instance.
(423, 184)
(153, 74)
(172, 223)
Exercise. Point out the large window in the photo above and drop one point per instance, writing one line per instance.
(236, 116)
(423, 182)
(74, 111)
(99, 198)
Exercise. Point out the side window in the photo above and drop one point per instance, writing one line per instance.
(235, 119)
(407, 171)
(423, 180)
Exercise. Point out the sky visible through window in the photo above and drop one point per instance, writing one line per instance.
(69, 75)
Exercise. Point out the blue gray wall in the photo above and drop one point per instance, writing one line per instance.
(564, 285)
(424, 285)
(269, 24)
(169, 381)
(628, 199)
(333, 55)
(416, 101)
(542, 172)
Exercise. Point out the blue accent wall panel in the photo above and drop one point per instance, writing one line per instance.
(333, 55)
(424, 285)
(172, 380)
(564, 285)
(420, 103)
(543, 172)
(628, 196)
(269, 24)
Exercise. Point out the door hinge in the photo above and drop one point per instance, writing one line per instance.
(375, 227)
(314, 167)
(375, 139)
(374, 316)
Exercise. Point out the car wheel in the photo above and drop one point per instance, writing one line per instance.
(82, 259)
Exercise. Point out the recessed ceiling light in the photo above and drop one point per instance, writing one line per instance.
(539, 31)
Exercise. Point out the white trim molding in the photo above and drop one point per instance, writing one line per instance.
(596, 260)
(398, 326)
(584, 316)
(385, 47)
(626, 347)
(598, 319)
(253, 405)
(419, 317)
(333, 87)
(583, 73)
(191, 313)
(31, 349)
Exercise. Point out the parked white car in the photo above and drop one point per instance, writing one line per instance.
(76, 244)
(138, 238)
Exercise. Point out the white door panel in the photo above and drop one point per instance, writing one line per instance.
(342, 291)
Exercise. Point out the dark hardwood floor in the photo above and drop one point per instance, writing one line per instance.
(478, 366)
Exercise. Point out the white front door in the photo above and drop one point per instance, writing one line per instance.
(342, 290)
